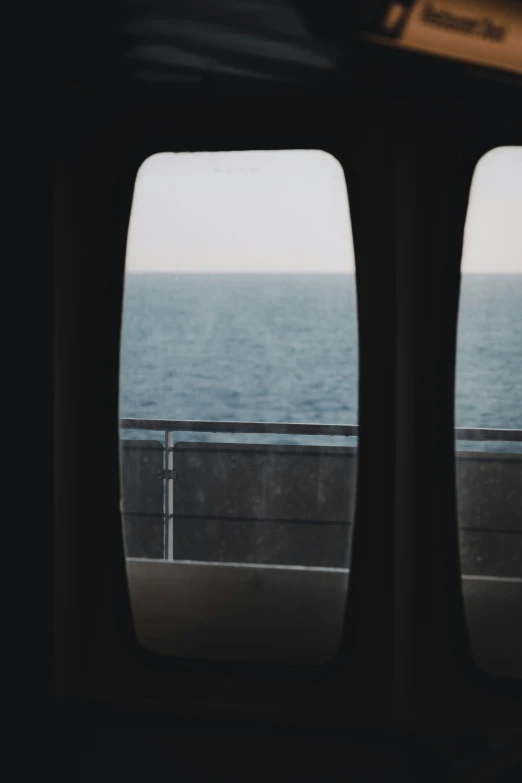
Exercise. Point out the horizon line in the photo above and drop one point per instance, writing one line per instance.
(272, 272)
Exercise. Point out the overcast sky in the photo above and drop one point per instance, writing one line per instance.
(287, 211)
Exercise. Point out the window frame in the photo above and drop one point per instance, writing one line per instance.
(436, 170)
(98, 172)
(405, 658)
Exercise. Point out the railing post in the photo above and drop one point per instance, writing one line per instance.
(170, 495)
(165, 500)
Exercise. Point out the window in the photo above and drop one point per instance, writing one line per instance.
(238, 404)
(489, 413)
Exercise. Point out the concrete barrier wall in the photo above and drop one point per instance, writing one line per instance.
(143, 497)
(295, 505)
(489, 495)
(246, 519)
(264, 504)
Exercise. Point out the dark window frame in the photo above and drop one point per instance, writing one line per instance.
(117, 197)
(401, 628)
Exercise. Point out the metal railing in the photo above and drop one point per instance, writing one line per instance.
(279, 428)
(171, 426)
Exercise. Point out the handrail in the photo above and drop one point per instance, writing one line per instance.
(259, 427)
(283, 428)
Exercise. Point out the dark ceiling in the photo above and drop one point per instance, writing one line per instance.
(129, 44)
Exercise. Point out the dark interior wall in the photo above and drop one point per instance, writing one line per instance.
(27, 419)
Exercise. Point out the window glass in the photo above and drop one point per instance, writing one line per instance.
(489, 413)
(238, 404)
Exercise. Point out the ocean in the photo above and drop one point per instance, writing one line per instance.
(283, 348)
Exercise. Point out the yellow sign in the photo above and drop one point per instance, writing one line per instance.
(478, 31)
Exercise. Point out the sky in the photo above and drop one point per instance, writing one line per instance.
(287, 211)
